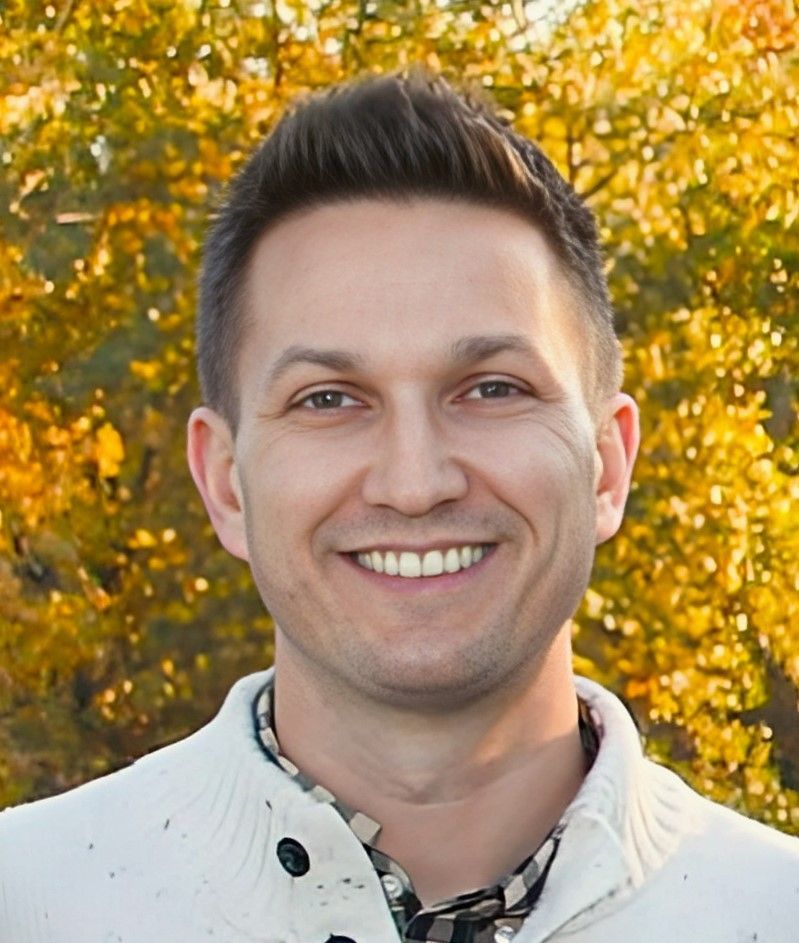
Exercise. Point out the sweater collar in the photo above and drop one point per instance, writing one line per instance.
(624, 822)
(622, 825)
(619, 791)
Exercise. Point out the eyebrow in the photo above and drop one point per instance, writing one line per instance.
(468, 350)
(462, 352)
(338, 360)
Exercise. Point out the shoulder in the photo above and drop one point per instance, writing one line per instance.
(723, 839)
(104, 838)
(638, 795)
(727, 876)
(182, 767)
(679, 857)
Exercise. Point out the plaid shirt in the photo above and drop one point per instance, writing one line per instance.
(490, 915)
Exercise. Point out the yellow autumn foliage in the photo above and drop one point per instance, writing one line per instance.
(122, 623)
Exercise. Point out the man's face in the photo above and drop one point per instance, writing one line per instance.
(411, 398)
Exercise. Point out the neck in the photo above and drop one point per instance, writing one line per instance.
(462, 796)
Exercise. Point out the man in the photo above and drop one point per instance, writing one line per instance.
(413, 433)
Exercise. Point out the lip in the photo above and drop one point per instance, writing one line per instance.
(424, 584)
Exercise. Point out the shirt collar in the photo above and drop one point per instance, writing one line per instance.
(365, 828)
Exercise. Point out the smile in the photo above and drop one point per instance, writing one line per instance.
(412, 565)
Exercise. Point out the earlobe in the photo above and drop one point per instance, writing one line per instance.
(617, 447)
(212, 461)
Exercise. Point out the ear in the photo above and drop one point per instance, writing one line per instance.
(617, 446)
(212, 460)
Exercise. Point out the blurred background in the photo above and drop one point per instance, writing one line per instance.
(123, 623)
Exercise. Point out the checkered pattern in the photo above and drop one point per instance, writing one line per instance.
(468, 918)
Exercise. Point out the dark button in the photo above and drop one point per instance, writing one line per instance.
(293, 857)
(339, 939)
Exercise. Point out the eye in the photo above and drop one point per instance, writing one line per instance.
(493, 389)
(326, 399)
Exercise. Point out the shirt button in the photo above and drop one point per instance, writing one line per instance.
(392, 886)
(339, 939)
(504, 933)
(293, 857)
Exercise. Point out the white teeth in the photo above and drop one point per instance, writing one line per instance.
(412, 565)
(452, 560)
(433, 563)
(391, 564)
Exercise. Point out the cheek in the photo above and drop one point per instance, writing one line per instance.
(538, 462)
(571, 448)
(290, 490)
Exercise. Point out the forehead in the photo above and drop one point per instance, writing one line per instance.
(401, 281)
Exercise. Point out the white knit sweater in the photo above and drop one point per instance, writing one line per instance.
(181, 848)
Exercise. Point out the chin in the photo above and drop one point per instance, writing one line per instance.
(424, 683)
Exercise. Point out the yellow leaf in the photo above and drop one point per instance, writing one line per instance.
(109, 451)
(142, 539)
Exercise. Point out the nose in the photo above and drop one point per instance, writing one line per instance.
(413, 467)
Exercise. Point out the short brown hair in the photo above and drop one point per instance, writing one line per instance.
(393, 137)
